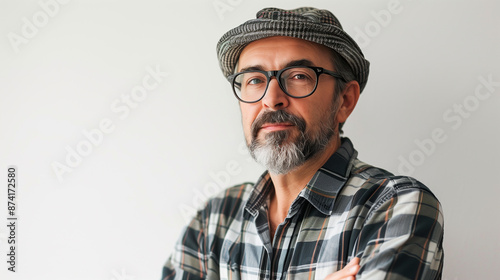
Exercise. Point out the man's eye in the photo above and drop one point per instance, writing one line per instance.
(299, 77)
(254, 81)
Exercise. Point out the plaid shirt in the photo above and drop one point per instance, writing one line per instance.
(348, 209)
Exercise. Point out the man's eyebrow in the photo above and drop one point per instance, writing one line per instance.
(300, 62)
(252, 68)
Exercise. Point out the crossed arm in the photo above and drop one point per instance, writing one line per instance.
(400, 239)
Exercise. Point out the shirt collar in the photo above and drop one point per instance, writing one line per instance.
(260, 193)
(321, 190)
(327, 182)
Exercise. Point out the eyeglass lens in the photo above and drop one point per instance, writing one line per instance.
(297, 82)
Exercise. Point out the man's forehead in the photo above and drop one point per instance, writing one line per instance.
(297, 62)
(284, 51)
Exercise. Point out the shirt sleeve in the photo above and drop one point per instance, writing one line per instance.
(188, 261)
(402, 237)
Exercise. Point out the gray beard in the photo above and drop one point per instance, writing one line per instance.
(278, 153)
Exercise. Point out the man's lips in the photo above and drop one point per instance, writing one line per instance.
(275, 126)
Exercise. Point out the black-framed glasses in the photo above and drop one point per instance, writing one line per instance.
(295, 81)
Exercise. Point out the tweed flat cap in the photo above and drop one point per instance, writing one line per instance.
(311, 24)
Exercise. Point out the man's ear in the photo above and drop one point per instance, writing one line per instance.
(348, 100)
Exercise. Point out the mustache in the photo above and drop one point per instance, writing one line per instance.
(279, 116)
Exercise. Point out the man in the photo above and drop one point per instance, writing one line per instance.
(318, 212)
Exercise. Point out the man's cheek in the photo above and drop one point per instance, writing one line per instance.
(247, 130)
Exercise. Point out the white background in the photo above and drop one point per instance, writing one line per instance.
(118, 212)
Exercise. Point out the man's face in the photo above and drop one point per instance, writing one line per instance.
(283, 132)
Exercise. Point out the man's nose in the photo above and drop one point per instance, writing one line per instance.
(275, 98)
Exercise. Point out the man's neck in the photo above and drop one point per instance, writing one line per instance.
(288, 186)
